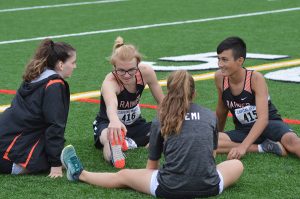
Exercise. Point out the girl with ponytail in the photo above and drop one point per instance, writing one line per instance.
(119, 125)
(32, 129)
(186, 134)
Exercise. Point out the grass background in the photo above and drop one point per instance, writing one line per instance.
(265, 176)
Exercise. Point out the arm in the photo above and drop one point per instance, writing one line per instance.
(55, 110)
(215, 153)
(215, 138)
(150, 78)
(152, 164)
(109, 93)
(221, 110)
(259, 86)
(155, 146)
(260, 89)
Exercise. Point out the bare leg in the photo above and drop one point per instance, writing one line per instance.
(106, 149)
(225, 144)
(231, 171)
(291, 142)
(137, 179)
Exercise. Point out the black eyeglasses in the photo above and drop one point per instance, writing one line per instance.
(130, 72)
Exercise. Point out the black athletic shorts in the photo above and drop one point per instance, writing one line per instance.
(162, 193)
(5, 166)
(274, 131)
(139, 131)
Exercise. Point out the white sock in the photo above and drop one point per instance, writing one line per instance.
(130, 143)
(17, 169)
(260, 149)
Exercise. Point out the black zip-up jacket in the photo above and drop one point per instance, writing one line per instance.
(32, 129)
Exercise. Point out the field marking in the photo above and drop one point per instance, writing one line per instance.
(150, 26)
(57, 5)
(200, 77)
(150, 106)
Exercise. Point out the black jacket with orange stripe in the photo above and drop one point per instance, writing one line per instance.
(32, 129)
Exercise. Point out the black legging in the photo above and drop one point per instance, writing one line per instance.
(5, 166)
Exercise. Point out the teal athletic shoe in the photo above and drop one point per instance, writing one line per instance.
(71, 162)
(270, 146)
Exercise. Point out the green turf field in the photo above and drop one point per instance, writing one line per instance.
(148, 25)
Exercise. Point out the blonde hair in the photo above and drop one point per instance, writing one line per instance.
(124, 52)
(172, 110)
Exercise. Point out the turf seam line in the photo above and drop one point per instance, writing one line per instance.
(57, 5)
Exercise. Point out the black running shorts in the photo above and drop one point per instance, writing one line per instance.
(274, 131)
(5, 166)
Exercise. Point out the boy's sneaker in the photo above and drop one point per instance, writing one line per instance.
(71, 162)
(270, 146)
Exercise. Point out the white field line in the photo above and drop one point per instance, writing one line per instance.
(151, 26)
(58, 5)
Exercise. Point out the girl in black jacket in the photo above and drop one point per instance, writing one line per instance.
(32, 128)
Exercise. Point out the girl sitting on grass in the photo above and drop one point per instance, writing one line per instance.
(187, 136)
(32, 128)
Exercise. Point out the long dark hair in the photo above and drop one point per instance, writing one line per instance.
(46, 56)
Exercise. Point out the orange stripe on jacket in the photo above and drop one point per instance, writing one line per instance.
(5, 156)
(29, 156)
(55, 81)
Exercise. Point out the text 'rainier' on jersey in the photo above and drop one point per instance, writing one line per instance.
(129, 104)
(233, 104)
